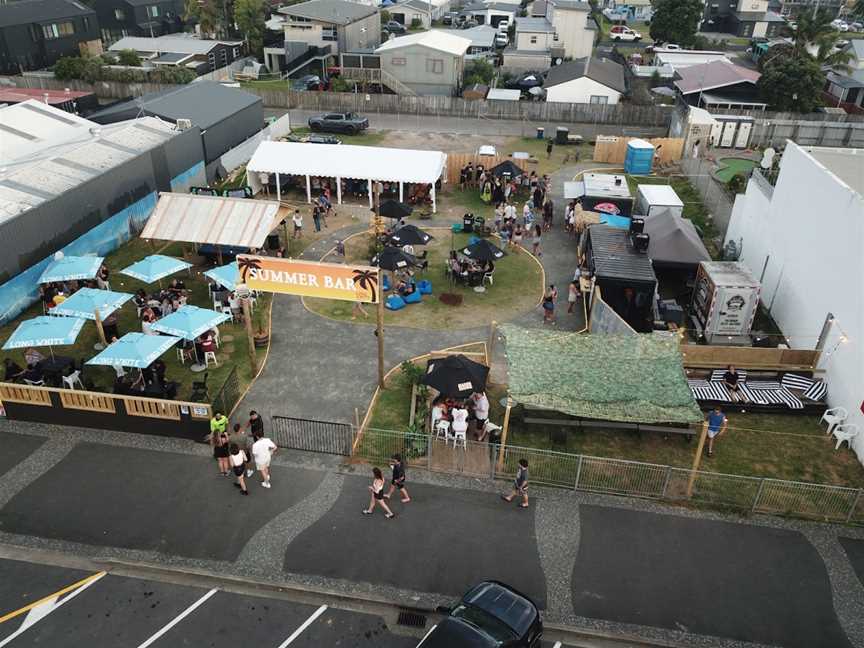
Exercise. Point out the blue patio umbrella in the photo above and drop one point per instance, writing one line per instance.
(227, 275)
(155, 267)
(189, 322)
(86, 301)
(45, 331)
(134, 350)
(66, 268)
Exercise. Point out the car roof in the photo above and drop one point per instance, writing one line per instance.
(503, 602)
(452, 632)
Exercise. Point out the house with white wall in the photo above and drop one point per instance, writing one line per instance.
(802, 238)
(573, 29)
(563, 32)
(588, 80)
(532, 47)
(429, 63)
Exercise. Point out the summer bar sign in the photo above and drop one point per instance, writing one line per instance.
(309, 279)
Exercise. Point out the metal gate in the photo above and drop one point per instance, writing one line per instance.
(313, 436)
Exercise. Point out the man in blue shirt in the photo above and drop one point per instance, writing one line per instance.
(717, 423)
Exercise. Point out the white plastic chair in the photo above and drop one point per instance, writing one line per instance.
(70, 380)
(216, 337)
(487, 276)
(120, 371)
(460, 436)
(845, 432)
(208, 356)
(834, 417)
(442, 429)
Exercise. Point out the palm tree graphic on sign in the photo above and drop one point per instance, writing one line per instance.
(366, 280)
(246, 264)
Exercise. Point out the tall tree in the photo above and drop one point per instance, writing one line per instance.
(814, 36)
(209, 14)
(676, 21)
(249, 18)
(792, 84)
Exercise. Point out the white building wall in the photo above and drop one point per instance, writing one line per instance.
(811, 234)
(572, 33)
(580, 91)
(533, 41)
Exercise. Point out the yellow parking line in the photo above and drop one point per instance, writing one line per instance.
(57, 594)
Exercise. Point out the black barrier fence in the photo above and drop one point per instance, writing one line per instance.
(228, 395)
(313, 436)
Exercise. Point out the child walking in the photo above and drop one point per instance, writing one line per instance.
(377, 498)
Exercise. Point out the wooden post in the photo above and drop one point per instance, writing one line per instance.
(504, 428)
(247, 323)
(697, 459)
(490, 344)
(379, 332)
(308, 189)
(99, 329)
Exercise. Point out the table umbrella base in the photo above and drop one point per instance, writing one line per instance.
(99, 346)
(479, 289)
(197, 367)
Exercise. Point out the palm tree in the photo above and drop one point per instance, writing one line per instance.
(815, 37)
(246, 264)
(366, 280)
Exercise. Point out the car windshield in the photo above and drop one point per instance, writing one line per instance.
(484, 622)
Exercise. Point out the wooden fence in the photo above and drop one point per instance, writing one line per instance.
(711, 357)
(613, 150)
(457, 161)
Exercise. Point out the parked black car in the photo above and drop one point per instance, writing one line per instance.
(450, 18)
(490, 615)
(307, 82)
(350, 123)
(394, 27)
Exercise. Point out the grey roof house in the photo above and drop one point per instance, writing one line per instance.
(588, 80)
(197, 54)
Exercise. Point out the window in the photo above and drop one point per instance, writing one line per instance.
(58, 30)
(86, 21)
(397, 61)
(153, 11)
(533, 40)
(119, 14)
(236, 52)
(598, 99)
(211, 60)
(328, 34)
(435, 66)
(555, 37)
(34, 34)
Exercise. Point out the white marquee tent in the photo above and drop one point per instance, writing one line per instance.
(370, 163)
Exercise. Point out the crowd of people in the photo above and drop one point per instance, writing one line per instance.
(468, 271)
(462, 415)
(154, 306)
(244, 447)
(55, 293)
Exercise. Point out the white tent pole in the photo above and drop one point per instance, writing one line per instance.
(434, 206)
(401, 194)
(278, 188)
(370, 194)
(308, 190)
(339, 190)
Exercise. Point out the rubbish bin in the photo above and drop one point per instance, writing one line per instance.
(540, 132)
(468, 223)
(561, 134)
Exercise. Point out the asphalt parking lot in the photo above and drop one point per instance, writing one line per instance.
(56, 607)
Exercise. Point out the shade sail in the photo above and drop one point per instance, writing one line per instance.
(134, 350)
(240, 222)
(346, 161)
(155, 267)
(227, 275)
(45, 331)
(631, 378)
(189, 322)
(71, 267)
(84, 302)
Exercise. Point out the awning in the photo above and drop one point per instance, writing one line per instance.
(573, 190)
(355, 162)
(238, 222)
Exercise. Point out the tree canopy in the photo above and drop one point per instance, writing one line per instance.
(676, 21)
(792, 83)
(249, 17)
(129, 58)
(479, 71)
(209, 14)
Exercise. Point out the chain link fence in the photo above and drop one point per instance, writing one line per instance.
(615, 476)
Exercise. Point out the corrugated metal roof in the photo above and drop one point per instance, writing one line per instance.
(179, 44)
(32, 126)
(713, 75)
(433, 39)
(210, 219)
(615, 258)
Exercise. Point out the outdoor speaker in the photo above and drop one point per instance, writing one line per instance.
(640, 242)
(637, 226)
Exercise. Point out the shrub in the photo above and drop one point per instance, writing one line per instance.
(129, 58)
(737, 183)
(412, 372)
(416, 23)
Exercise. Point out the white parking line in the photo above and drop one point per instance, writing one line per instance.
(179, 618)
(557, 644)
(305, 625)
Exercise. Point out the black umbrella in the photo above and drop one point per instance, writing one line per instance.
(456, 376)
(393, 258)
(394, 209)
(410, 235)
(483, 250)
(507, 168)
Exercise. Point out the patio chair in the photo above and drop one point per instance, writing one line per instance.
(442, 429)
(845, 432)
(488, 276)
(460, 436)
(834, 416)
(199, 389)
(73, 378)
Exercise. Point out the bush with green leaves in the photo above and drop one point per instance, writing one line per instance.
(416, 23)
(129, 58)
(737, 183)
(93, 68)
(413, 374)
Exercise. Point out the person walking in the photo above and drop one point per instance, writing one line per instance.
(535, 246)
(262, 451)
(316, 216)
(377, 497)
(549, 146)
(297, 219)
(520, 485)
(572, 296)
(255, 425)
(220, 453)
(549, 300)
(238, 459)
(398, 479)
(548, 214)
(245, 441)
(717, 424)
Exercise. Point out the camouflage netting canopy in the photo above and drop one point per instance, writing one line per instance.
(631, 378)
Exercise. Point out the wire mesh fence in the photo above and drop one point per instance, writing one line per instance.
(615, 476)
(228, 395)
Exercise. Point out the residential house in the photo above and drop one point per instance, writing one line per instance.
(744, 18)
(429, 63)
(120, 18)
(35, 33)
(201, 56)
(532, 48)
(490, 13)
(563, 33)
(482, 39)
(589, 80)
(538, 9)
(846, 89)
(680, 59)
(793, 8)
(719, 84)
(573, 29)
(323, 28)
(423, 10)
(810, 269)
(628, 10)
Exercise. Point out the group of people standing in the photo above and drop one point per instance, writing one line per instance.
(235, 453)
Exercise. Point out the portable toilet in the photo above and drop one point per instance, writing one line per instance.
(639, 158)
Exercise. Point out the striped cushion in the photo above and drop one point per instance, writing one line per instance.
(764, 384)
(794, 381)
(717, 375)
(817, 391)
(695, 382)
(712, 391)
(752, 395)
(780, 396)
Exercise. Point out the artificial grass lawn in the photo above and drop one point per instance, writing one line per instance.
(731, 166)
(518, 287)
(233, 353)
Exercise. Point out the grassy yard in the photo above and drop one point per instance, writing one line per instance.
(366, 138)
(517, 288)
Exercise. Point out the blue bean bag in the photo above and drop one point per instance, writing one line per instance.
(425, 287)
(394, 302)
(473, 240)
(385, 283)
(414, 298)
(456, 227)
